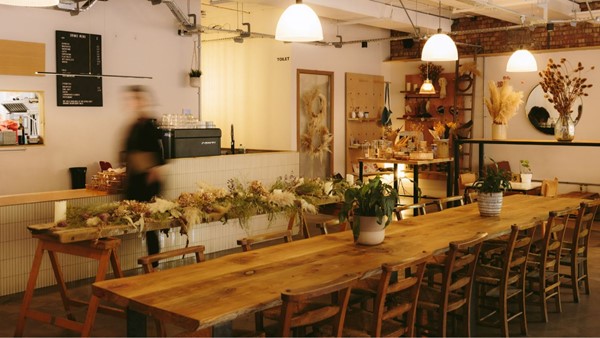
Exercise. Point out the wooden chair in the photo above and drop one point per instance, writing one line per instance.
(146, 262)
(419, 207)
(302, 308)
(543, 262)
(501, 278)
(575, 250)
(550, 188)
(443, 202)
(471, 197)
(247, 242)
(322, 221)
(394, 308)
(438, 300)
(465, 180)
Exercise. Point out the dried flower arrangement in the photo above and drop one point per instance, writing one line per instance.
(239, 201)
(503, 101)
(561, 89)
(442, 131)
(433, 72)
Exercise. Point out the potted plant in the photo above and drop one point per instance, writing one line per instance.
(370, 205)
(526, 172)
(195, 77)
(490, 187)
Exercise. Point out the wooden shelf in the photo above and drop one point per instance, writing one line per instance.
(370, 119)
(355, 146)
(421, 119)
(421, 96)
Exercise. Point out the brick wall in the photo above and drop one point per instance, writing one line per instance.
(496, 36)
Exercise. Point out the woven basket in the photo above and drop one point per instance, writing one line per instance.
(489, 204)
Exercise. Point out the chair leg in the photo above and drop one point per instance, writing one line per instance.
(558, 300)
(524, 311)
(574, 281)
(586, 280)
(503, 314)
(543, 303)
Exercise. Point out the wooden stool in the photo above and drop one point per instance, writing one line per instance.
(104, 250)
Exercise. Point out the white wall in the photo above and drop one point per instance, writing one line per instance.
(137, 39)
(572, 164)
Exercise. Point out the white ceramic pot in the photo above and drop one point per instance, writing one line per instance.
(499, 131)
(489, 204)
(371, 233)
(526, 178)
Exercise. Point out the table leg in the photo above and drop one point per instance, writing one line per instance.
(103, 262)
(62, 286)
(35, 269)
(481, 160)
(360, 170)
(457, 165)
(136, 324)
(449, 179)
(416, 188)
(396, 176)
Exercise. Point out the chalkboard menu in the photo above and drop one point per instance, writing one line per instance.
(78, 53)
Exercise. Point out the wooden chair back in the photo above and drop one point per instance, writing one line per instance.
(146, 261)
(544, 261)
(514, 258)
(575, 252)
(296, 313)
(550, 188)
(471, 197)
(453, 292)
(420, 207)
(412, 271)
(247, 242)
(449, 202)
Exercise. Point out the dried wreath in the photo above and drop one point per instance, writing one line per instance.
(316, 138)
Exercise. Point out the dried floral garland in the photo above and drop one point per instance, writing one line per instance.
(316, 138)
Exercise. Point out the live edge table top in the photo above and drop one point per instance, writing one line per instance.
(201, 295)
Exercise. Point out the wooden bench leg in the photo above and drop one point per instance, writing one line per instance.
(94, 300)
(62, 286)
(33, 274)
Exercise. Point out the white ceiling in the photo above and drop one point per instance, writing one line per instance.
(390, 14)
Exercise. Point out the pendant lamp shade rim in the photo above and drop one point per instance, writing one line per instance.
(439, 47)
(521, 61)
(299, 23)
(30, 3)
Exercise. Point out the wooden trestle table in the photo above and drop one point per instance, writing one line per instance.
(202, 295)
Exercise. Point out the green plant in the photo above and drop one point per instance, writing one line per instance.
(493, 179)
(195, 73)
(525, 167)
(374, 198)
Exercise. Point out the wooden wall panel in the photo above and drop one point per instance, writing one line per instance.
(22, 58)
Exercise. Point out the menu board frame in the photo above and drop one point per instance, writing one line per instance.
(79, 54)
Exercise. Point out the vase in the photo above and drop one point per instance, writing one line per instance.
(499, 131)
(564, 129)
(371, 232)
(526, 178)
(443, 148)
(489, 204)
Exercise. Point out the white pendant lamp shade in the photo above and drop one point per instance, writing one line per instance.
(299, 23)
(427, 88)
(30, 3)
(521, 61)
(439, 47)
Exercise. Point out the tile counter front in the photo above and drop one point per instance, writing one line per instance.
(17, 247)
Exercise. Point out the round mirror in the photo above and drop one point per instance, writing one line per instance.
(540, 112)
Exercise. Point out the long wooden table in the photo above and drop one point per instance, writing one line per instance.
(202, 295)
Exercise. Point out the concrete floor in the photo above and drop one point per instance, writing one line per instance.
(576, 320)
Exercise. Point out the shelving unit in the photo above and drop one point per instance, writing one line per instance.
(365, 93)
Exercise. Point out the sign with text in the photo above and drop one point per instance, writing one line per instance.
(80, 54)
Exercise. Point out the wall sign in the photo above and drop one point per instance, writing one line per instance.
(78, 53)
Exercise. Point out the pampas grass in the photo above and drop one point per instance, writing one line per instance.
(503, 101)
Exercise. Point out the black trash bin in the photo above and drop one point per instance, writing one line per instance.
(78, 177)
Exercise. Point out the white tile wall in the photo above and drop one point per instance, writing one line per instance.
(17, 247)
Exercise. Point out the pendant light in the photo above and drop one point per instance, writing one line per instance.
(30, 3)
(439, 47)
(427, 86)
(521, 61)
(299, 23)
